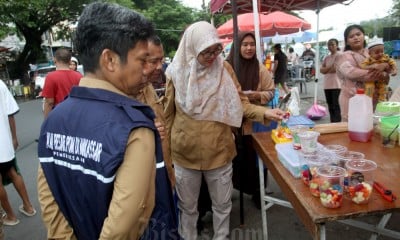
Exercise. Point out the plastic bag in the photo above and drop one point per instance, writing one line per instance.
(294, 102)
(316, 112)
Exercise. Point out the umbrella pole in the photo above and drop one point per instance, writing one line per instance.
(256, 17)
(315, 90)
(317, 56)
(236, 50)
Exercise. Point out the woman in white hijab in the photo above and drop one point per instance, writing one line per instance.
(204, 103)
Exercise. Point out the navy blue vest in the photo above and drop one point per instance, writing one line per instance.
(81, 146)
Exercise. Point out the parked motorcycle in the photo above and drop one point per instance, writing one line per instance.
(309, 68)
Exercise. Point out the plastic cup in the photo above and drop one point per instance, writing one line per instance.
(389, 136)
(308, 141)
(295, 130)
(346, 156)
(331, 179)
(336, 150)
(311, 163)
(360, 179)
(388, 130)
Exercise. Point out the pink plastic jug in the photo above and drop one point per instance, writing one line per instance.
(360, 117)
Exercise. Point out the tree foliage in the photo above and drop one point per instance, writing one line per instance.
(170, 19)
(374, 27)
(395, 14)
(33, 18)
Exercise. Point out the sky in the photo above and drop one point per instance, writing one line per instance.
(337, 16)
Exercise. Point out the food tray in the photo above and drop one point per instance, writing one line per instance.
(289, 158)
(277, 139)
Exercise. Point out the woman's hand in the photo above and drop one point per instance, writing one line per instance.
(274, 114)
(381, 66)
(161, 129)
(381, 75)
(332, 69)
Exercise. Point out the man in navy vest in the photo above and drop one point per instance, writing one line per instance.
(99, 150)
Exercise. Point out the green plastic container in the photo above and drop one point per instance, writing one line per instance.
(387, 108)
(389, 127)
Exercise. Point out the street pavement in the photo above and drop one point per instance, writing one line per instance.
(282, 222)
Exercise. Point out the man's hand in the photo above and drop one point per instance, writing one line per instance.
(15, 143)
(48, 105)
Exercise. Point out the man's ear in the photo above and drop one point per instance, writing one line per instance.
(109, 60)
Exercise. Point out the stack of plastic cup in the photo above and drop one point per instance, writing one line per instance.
(331, 185)
(360, 179)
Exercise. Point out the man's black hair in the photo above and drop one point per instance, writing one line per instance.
(109, 26)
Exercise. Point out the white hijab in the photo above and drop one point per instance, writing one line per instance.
(204, 93)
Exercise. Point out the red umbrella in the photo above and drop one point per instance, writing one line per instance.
(225, 41)
(244, 6)
(271, 24)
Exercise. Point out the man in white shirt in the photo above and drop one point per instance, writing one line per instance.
(9, 142)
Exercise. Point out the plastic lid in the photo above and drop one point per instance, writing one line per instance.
(360, 91)
(308, 134)
(320, 158)
(299, 120)
(351, 155)
(388, 107)
(331, 171)
(362, 165)
(336, 148)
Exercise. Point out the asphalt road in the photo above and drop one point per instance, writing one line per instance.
(283, 222)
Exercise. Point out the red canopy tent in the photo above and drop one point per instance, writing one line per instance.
(256, 6)
(270, 24)
(244, 6)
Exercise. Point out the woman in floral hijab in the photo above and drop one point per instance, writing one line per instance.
(203, 106)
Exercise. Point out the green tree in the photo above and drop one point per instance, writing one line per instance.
(34, 18)
(395, 14)
(170, 18)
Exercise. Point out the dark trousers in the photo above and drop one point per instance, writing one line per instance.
(332, 99)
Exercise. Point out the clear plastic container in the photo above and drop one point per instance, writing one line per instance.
(346, 156)
(311, 163)
(331, 179)
(295, 130)
(308, 141)
(336, 150)
(388, 130)
(360, 117)
(360, 179)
